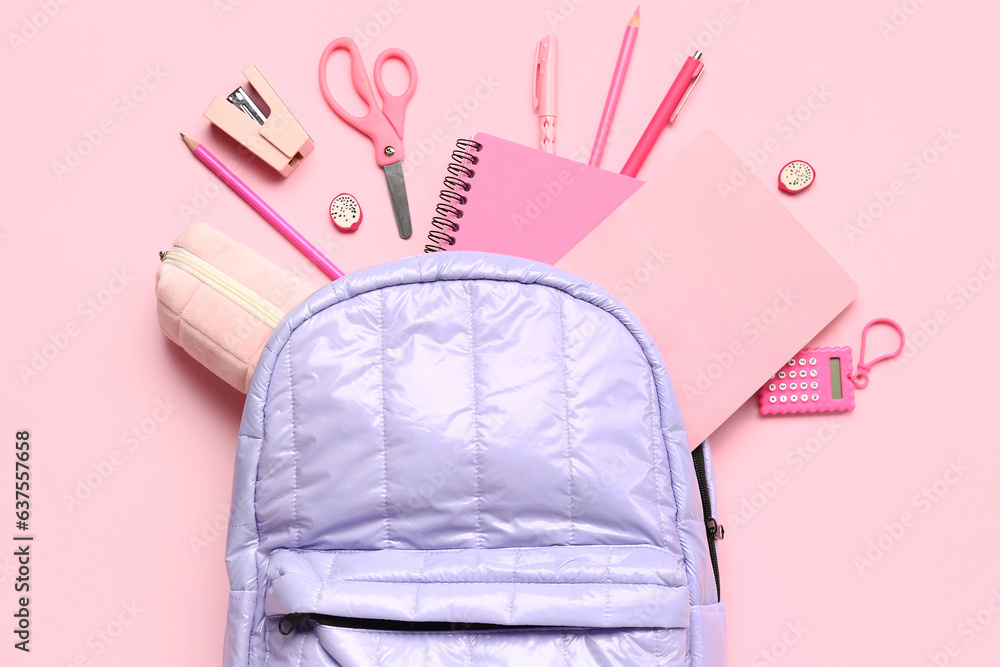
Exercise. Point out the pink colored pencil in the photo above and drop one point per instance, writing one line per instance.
(617, 81)
(292, 234)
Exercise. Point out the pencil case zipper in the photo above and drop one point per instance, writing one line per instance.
(224, 284)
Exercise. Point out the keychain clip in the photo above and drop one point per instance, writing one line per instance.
(860, 377)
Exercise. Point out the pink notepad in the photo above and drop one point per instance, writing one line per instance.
(728, 283)
(524, 202)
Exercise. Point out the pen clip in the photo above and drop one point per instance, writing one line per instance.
(535, 78)
(687, 93)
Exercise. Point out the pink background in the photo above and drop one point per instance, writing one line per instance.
(121, 578)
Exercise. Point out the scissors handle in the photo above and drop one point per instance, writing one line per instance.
(384, 125)
(394, 106)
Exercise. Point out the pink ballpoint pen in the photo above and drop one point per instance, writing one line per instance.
(292, 234)
(671, 105)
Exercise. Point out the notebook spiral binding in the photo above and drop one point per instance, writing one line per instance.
(449, 210)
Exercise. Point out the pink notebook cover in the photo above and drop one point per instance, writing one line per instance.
(528, 203)
(729, 285)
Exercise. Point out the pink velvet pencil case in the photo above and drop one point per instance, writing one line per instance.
(220, 301)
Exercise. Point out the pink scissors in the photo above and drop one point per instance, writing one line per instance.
(383, 124)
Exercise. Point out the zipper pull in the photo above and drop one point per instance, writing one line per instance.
(163, 254)
(289, 621)
(715, 530)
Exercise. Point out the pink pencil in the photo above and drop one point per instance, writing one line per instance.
(233, 181)
(617, 81)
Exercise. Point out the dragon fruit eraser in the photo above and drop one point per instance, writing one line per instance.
(346, 212)
(796, 176)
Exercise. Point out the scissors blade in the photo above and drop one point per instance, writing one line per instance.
(397, 193)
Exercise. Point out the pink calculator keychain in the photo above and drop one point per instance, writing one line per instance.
(820, 379)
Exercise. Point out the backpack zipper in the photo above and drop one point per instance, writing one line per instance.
(232, 289)
(288, 623)
(714, 529)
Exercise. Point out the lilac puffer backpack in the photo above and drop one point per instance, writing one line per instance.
(468, 459)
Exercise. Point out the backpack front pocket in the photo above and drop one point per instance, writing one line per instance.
(583, 604)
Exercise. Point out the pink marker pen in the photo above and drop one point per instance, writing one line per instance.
(545, 81)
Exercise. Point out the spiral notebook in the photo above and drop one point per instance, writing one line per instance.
(500, 196)
(726, 281)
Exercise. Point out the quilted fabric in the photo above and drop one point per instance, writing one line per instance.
(465, 438)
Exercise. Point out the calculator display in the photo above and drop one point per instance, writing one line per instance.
(837, 392)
